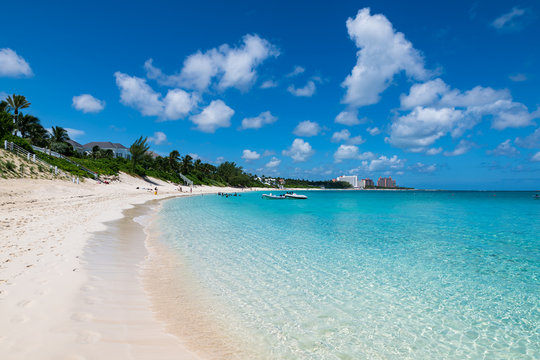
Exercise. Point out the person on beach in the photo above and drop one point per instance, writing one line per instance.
(155, 191)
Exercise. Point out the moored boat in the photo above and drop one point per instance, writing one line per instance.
(295, 196)
(273, 197)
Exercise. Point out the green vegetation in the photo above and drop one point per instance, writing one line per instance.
(296, 183)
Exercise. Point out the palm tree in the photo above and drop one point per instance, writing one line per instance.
(3, 106)
(38, 135)
(16, 103)
(25, 123)
(186, 164)
(59, 134)
(137, 150)
(174, 156)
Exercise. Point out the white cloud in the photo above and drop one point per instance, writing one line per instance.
(214, 116)
(504, 149)
(461, 148)
(340, 136)
(306, 91)
(13, 65)
(307, 128)
(299, 151)
(509, 21)
(269, 84)
(274, 162)
(383, 53)
(349, 118)
(536, 157)
(179, 103)
(348, 152)
(88, 104)
(268, 153)
(518, 77)
(230, 66)
(345, 135)
(532, 141)
(259, 121)
(380, 164)
(297, 71)
(423, 168)
(373, 131)
(136, 93)
(434, 151)
(249, 155)
(438, 110)
(194, 156)
(74, 133)
(158, 138)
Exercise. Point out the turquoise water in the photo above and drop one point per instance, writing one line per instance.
(368, 275)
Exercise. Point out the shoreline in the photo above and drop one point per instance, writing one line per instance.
(46, 227)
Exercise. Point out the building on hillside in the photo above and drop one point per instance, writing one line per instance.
(351, 179)
(364, 183)
(76, 146)
(118, 149)
(386, 182)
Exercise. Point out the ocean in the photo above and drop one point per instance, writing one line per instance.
(360, 274)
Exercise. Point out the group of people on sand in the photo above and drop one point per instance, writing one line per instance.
(149, 189)
(227, 194)
(182, 190)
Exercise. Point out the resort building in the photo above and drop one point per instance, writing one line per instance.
(76, 146)
(351, 179)
(386, 182)
(118, 149)
(366, 183)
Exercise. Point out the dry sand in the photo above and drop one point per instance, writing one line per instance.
(66, 290)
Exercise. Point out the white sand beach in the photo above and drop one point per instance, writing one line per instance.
(65, 293)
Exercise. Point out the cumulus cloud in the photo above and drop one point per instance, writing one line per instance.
(504, 149)
(345, 135)
(299, 151)
(434, 151)
(269, 84)
(88, 104)
(349, 118)
(531, 142)
(13, 65)
(229, 66)
(383, 53)
(307, 91)
(513, 20)
(274, 162)
(249, 155)
(259, 121)
(214, 116)
(423, 168)
(373, 131)
(136, 93)
(307, 128)
(536, 157)
(348, 152)
(438, 110)
(518, 77)
(297, 71)
(74, 133)
(158, 138)
(381, 164)
(461, 148)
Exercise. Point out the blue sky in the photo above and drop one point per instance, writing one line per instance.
(435, 95)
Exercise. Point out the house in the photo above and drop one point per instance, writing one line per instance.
(118, 149)
(76, 146)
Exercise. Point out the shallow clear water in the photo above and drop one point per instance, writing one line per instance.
(349, 275)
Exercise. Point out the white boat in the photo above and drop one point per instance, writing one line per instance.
(295, 196)
(273, 197)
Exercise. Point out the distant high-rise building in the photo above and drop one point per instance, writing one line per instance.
(386, 182)
(364, 183)
(351, 179)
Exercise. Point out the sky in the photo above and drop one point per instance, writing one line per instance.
(436, 95)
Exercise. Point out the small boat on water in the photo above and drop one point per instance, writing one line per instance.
(295, 196)
(536, 197)
(273, 197)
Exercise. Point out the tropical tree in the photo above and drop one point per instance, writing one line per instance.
(16, 103)
(6, 124)
(59, 134)
(3, 106)
(187, 164)
(38, 135)
(174, 157)
(138, 149)
(24, 123)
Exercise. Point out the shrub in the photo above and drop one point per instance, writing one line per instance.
(18, 141)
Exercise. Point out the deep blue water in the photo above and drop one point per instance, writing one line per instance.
(369, 274)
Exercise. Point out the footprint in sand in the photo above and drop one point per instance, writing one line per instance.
(93, 300)
(88, 337)
(26, 303)
(20, 319)
(82, 317)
